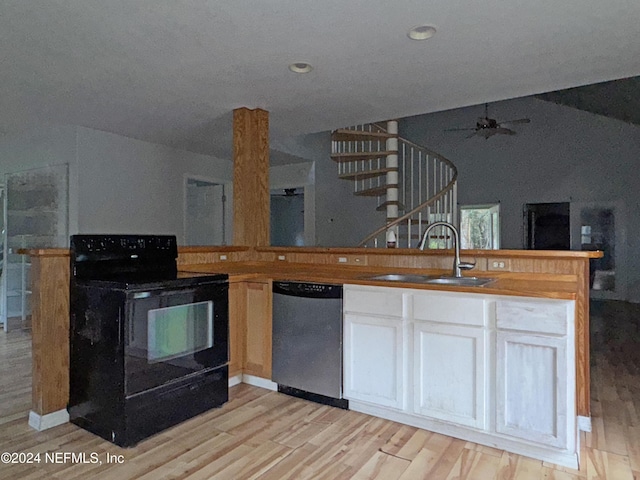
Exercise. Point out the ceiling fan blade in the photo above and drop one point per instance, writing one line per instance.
(504, 131)
(458, 129)
(516, 122)
(486, 132)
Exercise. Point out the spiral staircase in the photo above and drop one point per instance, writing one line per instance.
(413, 185)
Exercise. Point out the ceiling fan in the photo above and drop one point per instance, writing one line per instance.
(487, 127)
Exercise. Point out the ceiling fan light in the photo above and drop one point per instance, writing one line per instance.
(421, 32)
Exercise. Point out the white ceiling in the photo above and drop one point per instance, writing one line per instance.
(171, 71)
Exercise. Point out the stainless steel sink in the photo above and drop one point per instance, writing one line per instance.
(399, 277)
(429, 279)
(461, 281)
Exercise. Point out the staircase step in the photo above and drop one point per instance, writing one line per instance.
(366, 174)
(358, 156)
(383, 206)
(346, 135)
(375, 192)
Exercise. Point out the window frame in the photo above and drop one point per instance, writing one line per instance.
(495, 223)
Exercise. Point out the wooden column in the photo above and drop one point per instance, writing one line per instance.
(50, 331)
(251, 177)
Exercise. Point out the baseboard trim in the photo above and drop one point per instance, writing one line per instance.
(235, 380)
(259, 382)
(43, 422)
(562, 457)
(584, 423)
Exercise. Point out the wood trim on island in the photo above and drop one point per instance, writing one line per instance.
(50, 332)
(547, 271)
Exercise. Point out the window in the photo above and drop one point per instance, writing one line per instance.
(480, 227)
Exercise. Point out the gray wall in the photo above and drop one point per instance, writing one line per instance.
(341, 218)
(127, 185)
(46, 146)
(563, 155)
(116, 184)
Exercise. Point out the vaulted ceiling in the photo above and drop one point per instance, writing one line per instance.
(171, 72)
(616, 99)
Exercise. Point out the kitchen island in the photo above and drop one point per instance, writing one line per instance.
(532, 274)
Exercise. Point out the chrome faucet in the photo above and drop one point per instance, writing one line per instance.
(457, 264)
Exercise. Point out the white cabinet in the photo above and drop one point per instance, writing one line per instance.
(535, 398)
(375, 346)
(374, 350)
(491, 369)
(450, 373)
(531, 398)
(450, 361)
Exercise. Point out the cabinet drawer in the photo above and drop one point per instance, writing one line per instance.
(376, 301)
(542, 316)
(450, 308)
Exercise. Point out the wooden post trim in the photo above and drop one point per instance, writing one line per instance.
(251, 209)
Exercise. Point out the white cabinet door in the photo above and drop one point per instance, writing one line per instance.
(450, 381)
(374, 352)
(531, 387)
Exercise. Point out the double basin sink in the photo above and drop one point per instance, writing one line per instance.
(432, 280)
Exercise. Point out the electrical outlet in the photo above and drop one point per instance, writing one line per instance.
(342, 259)
(281, 257)
(499, 264)
(223, 257)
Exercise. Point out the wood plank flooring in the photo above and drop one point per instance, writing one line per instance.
(265, 435)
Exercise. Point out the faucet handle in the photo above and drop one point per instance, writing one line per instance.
(466, 265)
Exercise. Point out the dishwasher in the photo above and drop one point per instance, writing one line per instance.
(307, 341)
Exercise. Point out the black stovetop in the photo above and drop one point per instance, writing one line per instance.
(131, 262)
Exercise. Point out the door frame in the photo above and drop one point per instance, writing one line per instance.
(618, 206)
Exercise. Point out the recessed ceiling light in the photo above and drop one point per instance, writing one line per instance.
(421, 32)
(300, 67)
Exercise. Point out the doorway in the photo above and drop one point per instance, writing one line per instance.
(601, 226)
(287, 217)
(207, 212)
(547, 226)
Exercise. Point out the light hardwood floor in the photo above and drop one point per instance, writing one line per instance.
(266, 435)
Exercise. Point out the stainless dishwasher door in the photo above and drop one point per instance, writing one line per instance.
(307, 337)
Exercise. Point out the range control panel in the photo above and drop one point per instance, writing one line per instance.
(125, 245)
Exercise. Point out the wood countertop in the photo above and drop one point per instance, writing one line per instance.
(517, 284)
(542, 254)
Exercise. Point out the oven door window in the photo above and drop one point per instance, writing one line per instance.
(180, 330)
(173, 334)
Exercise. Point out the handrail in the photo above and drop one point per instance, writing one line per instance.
(447, 170)
(428, 202)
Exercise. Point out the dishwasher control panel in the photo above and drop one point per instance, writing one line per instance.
(311, 290)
